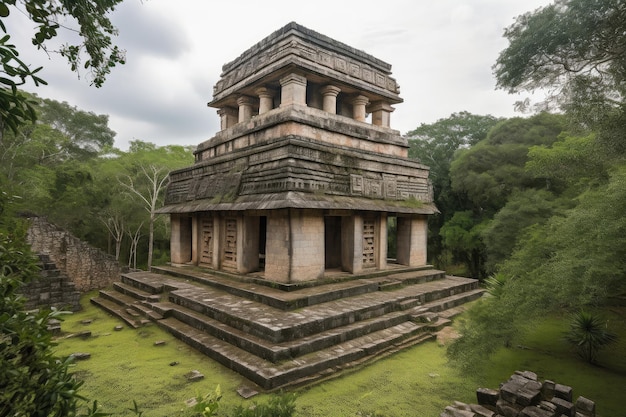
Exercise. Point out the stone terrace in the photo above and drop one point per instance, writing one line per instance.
(279, 335)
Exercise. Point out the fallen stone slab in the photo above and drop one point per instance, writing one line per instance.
(81, 356)
(194, 376)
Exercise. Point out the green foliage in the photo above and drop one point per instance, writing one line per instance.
(283, 405)
(490, 171)
(588, 334)
(207, 406)
(574, 50)
(522, 209)
(461, 236)
(435, 146)
(94, 29)
(33, 381)
(570, 164)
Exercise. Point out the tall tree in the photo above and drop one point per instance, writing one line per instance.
(146, 174)
(574, 49)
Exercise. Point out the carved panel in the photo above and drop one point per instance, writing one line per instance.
(229, 260)
(356, 184)
(206, 249)
(369, 243)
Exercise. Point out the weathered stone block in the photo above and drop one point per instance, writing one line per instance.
(487, 397)
(509, 391)
(563, 391)
(527, 396)
(547, 390)
(507, 409)
(586, 406)
(564, 407)
(534, 411)
(482, 411)
(527, 374)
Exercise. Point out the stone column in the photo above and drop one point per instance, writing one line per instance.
(295, 246)
(358, 108)
(293, 90)
(180, 238)
(352, 243)
(266, 99)
(330, 93)
(228, 117)
(245, 108)
(381, 113)
(411, 235)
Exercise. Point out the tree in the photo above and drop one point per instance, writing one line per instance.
(155, 179)
(146, 174)
(574, 49)
(435, 146)
(495, 167)
(94, 51)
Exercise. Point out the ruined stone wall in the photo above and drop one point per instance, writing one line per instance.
(89, 268)
(51, 289)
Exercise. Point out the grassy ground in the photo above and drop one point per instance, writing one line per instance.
(126, 365)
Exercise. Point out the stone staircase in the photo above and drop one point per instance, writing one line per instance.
(279, 335)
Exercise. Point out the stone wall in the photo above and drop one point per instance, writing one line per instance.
(524, 396)
(89, 268)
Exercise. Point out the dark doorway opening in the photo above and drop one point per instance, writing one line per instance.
(332, 242)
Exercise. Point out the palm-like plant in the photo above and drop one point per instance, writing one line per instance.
(588, 333)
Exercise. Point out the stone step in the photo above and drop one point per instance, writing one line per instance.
(398, 280)
(317, 364)
(275, 352)
(255, 329)
(135, 292)
(276, 297)
(277, 326)
(116, 310)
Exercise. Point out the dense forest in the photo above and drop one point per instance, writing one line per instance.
(532, 206)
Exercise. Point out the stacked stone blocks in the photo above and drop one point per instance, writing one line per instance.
(524, 396)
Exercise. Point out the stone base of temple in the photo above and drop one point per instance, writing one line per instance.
(280, 335)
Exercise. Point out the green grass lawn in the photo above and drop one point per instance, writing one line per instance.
(126, 365)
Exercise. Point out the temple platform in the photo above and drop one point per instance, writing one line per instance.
(283, 335)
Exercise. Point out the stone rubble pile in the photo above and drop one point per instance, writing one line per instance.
(524, 396)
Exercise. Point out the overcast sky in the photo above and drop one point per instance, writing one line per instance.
(441, 52)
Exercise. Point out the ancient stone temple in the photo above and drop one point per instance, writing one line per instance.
(306, 173)
(298, 236)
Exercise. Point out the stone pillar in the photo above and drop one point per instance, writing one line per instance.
(411, 235)
(381, 113)
(293, 90)
(245, 108)
(180, 240)
(266, 99)
(295, 246)
(358, 108)
(248, 242)
(228, 117)
(330, 93)
(352, 243)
